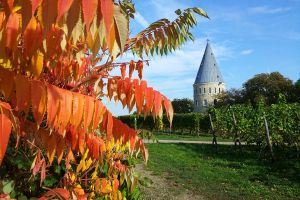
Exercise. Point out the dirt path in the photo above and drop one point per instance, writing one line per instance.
(163, 189)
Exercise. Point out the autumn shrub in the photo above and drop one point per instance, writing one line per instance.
(57, 139)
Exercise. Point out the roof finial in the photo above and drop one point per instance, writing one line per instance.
(207, 40)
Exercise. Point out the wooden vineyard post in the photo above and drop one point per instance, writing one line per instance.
(214, 142)
(237, 133)
(268, 139)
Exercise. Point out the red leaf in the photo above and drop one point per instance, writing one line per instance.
(58, 192)
(89, 8)
(23, 92)
(5, 130)
(35, 4)
(26, 13)
(131, 68)
(37, 165)
(43, 171)
(10, 4)
(139, 67)
(63, 7)
(107, 10)
(123, 70)
(49, 14)
(39, 100)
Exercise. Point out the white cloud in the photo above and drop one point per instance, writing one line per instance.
(246, 52)
(167, 9)
(141, 20)
(268, 10)
(174, 75)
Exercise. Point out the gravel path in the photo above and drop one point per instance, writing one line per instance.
(189, 142)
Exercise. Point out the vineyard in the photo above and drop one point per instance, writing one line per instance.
(278, 124)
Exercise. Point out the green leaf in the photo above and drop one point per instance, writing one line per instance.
(122, 27)
(8, 187)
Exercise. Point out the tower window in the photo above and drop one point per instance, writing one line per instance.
(219, 90)
(209, 90)
(196, 103)
(205, 102)
(215, 90)
(199, 90)
(204, 90)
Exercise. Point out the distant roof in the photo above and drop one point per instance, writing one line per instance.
(208, 70)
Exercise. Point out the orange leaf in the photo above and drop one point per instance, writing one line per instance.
(51, 147)
(39, 100)
(60, 145)
(169, 109)
(139, 97)
(63, 7)
(89, 8)
(52, 104)
(32, 37)
(6, 82)
(157, 103)
(77, 111)
(12, 29)
(107, 10)
(49, 14)
(81, 140)
(65, 109)
(115, 184)
(98, 114)
(109, 126)
(149, 97)
(5, 130)
(88, 111)
(23, 92)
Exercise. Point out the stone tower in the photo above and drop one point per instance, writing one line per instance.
(209, 81)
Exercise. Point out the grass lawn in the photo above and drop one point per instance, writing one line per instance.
(165, 136)
(229, 174)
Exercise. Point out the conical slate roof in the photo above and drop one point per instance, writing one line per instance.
(208, 70)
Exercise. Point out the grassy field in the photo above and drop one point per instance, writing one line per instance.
(228, 174)
(187, 137)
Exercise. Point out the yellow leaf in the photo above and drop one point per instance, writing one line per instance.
(37, 64)
(80, 166)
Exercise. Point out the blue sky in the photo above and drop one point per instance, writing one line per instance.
(247, 36)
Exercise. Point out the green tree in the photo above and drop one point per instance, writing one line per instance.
(184, 105)
(269, 86)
